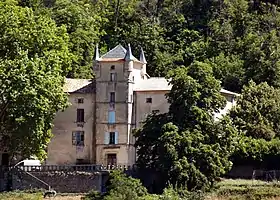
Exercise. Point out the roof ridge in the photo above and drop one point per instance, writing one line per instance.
(112, 50)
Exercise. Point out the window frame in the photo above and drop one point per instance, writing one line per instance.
(80, 118)
(78, 138)
(111, 156)
(80, 100)
(149, 100)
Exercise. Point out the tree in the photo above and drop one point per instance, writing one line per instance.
(195, 95)
(186, 146)
(33, 57)
(83, 23)
(256, 117)
(257, 112)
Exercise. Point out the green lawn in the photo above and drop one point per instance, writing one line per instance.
(20, 195)
(240, 189)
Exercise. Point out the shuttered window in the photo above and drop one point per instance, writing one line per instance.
(112, 117)
(111, 138)
(80, 115)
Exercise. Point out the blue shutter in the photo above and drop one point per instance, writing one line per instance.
(112, 117)
(116, 137)
(106, 138)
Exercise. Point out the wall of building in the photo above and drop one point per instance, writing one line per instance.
(159, 103)
(229, 104)
(61, 150)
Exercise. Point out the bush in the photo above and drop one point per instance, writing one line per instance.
(122, 187)
(93, 195)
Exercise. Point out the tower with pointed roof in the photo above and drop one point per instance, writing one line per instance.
(115, 75)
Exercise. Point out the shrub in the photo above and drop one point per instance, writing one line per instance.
(122, 187)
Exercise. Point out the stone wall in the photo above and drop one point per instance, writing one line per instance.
(62, 182)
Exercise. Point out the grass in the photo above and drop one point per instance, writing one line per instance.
(20, 195)
(240, 189)
(35, 196)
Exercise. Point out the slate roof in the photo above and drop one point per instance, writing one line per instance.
(152, 84)
(119, 52)
(161, 84)
(78, 85)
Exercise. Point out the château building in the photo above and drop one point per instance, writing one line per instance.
(97, 127)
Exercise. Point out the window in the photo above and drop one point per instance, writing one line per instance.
(80, 115)
(80, 100)
(112, 97)
(148, 100)
(113, 67)
(111, 138)
(78, 138)
(133, 78)
(112, 159)
(112, 117)
(155, 111)
(113, 76)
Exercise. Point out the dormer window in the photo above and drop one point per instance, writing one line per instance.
(113, 67)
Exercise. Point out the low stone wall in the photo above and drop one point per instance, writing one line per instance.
(63, 182)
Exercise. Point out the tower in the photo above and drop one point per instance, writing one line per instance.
(115, 76)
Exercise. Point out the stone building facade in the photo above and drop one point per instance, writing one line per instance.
(97, 127)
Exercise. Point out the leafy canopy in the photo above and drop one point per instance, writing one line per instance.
(186, 145)
(33, 57)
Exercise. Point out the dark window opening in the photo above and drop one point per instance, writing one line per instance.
(112, 138)
(78, 138)
(111, 159)
(113, 67)
(80, 115)
(80, 100)
(149, 100)
(112, 97)
(155, 111)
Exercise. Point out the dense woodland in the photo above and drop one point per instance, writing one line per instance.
(201, 45)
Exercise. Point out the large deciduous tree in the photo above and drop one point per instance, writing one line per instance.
(257, 113)
(256, 117)
(33, 56)
(83, 21)
(186, 145)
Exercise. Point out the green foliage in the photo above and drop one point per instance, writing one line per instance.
(93, 195)
(186, 146)
(83, 26)
(257, 112)
(195, 95)
(256, 117)
(33, 56)
(122, 187)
